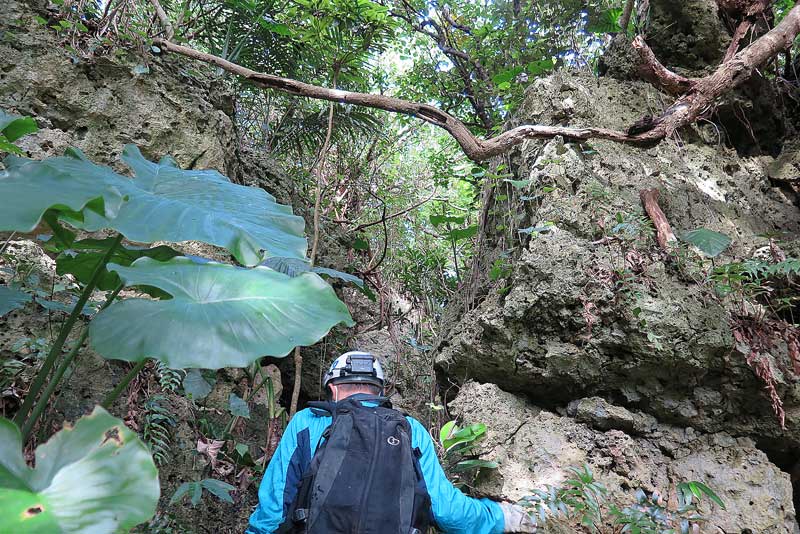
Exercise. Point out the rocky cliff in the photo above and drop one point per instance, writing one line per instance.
(594, 319)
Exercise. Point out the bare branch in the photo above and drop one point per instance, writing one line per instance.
(625, 19)
(394, 215)
(664, 234)
(164, 19)
(657, 74)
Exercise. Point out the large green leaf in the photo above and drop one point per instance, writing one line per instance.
(166, 203)
(710, 242)
(36, 186)
(84, 256)
(219, 316)
(12, 299)
(96, 476)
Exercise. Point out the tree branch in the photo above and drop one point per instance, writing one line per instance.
(651, 70)
(664, 234)
(164, 19)
(684, 111)
(393, 215)
(625, 19)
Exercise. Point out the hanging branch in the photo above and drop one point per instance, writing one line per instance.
(625, 19)
(163, 18)
(688, 108)
(394, 215)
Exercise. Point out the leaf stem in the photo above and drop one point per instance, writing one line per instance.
(62, 368)
(111, 397)
(66, 328)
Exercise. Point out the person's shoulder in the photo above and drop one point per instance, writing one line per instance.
(306, 417)
(418, 431)
(413, 421)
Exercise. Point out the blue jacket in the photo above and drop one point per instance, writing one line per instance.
(454, 512)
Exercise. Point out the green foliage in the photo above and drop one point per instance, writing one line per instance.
(12, 299)
(632, 227)
(177, 205)
(41, 186)
(157, 428)
(94, 476)
(169, 380)
(579, 498)
(650, 515)
(219, 489)
(295, 267)
(238, 407)
(774, 284)
(458, 452)
(711, 243)
(196, 385)
(81, 258)
(582, 500)
(12, 127)
(210, 314)
(209, 321)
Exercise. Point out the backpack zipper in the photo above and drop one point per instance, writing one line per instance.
(371, 472)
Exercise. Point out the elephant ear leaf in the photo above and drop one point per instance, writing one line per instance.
(163, 203)
(166, 203)
(219, 315)
(96, 476)
(39, 186)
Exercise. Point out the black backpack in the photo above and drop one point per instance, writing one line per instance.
(364, 477)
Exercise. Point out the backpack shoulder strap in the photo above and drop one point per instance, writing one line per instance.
(328, 407)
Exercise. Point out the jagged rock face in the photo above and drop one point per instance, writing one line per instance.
(101, 104)
(589, 316)
(626, 451)
(688, 35)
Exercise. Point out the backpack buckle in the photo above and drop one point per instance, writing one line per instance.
(300, 515)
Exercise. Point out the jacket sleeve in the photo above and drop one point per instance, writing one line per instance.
(278, 487)
(454, 512)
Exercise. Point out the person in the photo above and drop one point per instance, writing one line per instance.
(357, 377)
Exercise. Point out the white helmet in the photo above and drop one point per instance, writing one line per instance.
(354, 367)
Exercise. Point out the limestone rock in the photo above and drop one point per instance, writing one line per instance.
(535, 448)
(593, 311)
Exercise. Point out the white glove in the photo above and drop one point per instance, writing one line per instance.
(516, 519)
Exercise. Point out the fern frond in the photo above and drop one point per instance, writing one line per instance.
(169, 379)
(157, 428)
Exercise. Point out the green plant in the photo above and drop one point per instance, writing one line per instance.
(458, 446)
(176, 205)
(221, 490)
(650, 514)
(711, 243)
(96, 476)
(204, 313)
(583, 500)
(157, 428)
(12, 127)
(580, 498)
(169, 379)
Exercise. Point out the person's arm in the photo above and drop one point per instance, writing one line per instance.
(454, 512)
(278, 487)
